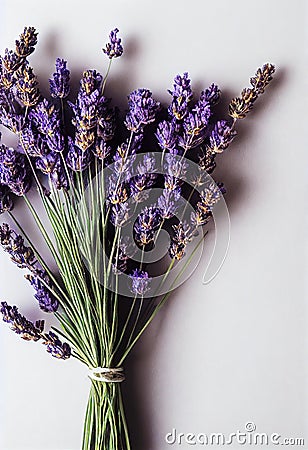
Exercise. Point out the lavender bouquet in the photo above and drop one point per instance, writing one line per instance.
(127, 197)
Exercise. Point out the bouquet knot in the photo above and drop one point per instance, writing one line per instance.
(107, 374)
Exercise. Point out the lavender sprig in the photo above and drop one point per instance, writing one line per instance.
(27, 86)
(240, 106)
(34, 332)
(181, 96)
(142, 110)
(146, 225)
(6, 201)
(20, 325)
(140, 282)
(14, 170)
(60, 81)
(24, 258)
(26, 43)
(221, 136)
(114, 48)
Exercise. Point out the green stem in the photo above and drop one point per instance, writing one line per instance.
(159, 306)
(105, 425)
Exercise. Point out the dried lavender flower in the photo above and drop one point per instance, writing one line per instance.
(221, 136)
(120, 214)
(106, 125)
(26, 43)
(102, 150)
(146, 178)
(206, 159)
(60, 81)
(27, 86)
(126, 250)
(146, 225)
(175, 169)
(10, 63)
(14, 170)
(87, 109)
(77, 159)
(20, 325)
(58, 176)
(169, 202)
(195, 127)
(13, 243)
(47, 162)
(166, 135)
(6, 201)
(142, 110)
(47, 121)
(47, 302)
(117, 191)
(140, 282)
(262, 78)
(208, 198)
(182, 235)
(181, 96)
(55, 347)
(210, 95)
(113, 48)
(240, 106)
(24, 257)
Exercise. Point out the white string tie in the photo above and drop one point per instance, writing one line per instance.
(107, 374)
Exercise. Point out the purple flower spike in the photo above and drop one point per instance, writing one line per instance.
(26, 43)
(6, 201)
(120, 214)
(20, 325)
(89, 106)
(55, 347)
(182, 235)
(168, 202)
(208, 199)
(14, 170)
(13, 244)
(59, 83)
(181, 96)
(195, 127)
(142, 109)
(46, 119)
(24, 258)
(101, 150)
(10, 62)
(47, 302)
(27, 86)
(114, 48)
(146, 178)
(76, 159)
(58, 177)
(166, 135)
(210, 95)
(140, 282)
(146, 225)
(221, 136)
(106, 125)
(47, 163)
(34, 332)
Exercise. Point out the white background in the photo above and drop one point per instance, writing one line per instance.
(218, 355)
